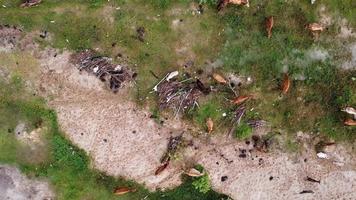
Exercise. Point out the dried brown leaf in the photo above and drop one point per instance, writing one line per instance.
(241, 99)
(210, 124)
(286, 84)
(194, 173)
(315, 27)
(219, 78)
(123, 190)
(269, 26)
(350, 122)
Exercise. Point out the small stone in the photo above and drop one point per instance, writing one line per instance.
(271, 178)
(105, 140)
(242, 155)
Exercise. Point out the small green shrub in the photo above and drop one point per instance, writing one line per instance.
(243, 131)
(202, 184)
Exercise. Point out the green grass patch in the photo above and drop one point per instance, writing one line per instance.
(243, 131)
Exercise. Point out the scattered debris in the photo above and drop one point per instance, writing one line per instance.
(172, 147)
(350, 110)
(286, 84)
(30, 3)
(194, 173)
(223, 3)
(322, 155)
(123, 190)
(350, 122)
(269, 26)
(141, 33)
(312, 180)
(103, 68)
(262, 143)
(306, 191)
(209, 125)
(219, 78)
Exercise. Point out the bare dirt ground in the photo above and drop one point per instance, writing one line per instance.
(123, 140)
(15, 186)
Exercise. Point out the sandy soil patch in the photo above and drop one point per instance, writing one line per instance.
(121, 138)
(16, 186)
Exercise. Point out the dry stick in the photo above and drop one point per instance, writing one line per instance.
(232, 89)
(188, 79)
(186, 96)
(155, 87)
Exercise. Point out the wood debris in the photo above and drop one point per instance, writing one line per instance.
(223, 3)
(30, 3)
(350, 122)
(123, 190)
(306, 191)
(312, 180)
(286, 84)
(219, 78)
(269, 26)
(194, 173)
(209, 125)
(103, 68)
(161, 168)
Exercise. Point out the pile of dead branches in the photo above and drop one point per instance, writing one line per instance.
(103, 68)
(180, 96)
